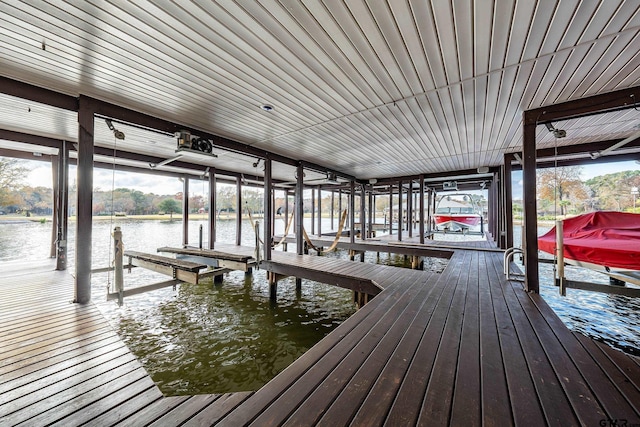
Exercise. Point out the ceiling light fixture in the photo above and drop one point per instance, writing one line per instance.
(267, 107)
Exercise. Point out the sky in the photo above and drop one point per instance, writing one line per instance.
(103, 179)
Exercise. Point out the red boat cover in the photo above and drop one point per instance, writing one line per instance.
(610, 239)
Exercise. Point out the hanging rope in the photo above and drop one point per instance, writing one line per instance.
(334, 245)
(331, 248)
(113, 184)
(253, 225)
(286, 231)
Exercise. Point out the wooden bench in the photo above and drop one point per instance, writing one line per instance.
(182, 270)
(220, 259)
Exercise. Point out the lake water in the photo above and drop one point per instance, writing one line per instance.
(229, 337)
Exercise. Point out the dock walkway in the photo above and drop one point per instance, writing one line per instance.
(465, 347)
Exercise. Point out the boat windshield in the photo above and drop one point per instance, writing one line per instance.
(455, 210)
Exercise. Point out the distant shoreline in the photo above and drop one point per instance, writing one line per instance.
(17, 219)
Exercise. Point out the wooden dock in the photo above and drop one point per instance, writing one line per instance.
(464, 347)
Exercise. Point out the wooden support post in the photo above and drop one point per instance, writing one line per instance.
(352, 209)
(390, 209)
(213, 209)
(410, 209)
(530, 244)
(55, 170)
(273, 285)
(370, 213)
(84, 193)
(508, 196)
(268, 209)
(501, 211)
(560, 281)
(415, 262)
(299, 212)
(238, 211)
(298, 284)
(62, 212)
(421, 213)
(319, 211)
(333, 194)
(339, 203)
(118, 253)
(374, 213)
(185, 211)
(400, 227)
(286, 208)
(363, 219)
(313, 211)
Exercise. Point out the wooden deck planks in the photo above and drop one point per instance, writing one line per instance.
(464, 347)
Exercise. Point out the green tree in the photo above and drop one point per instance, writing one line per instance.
(12, 176)
(613, 191)
(562, 187)
(170, 205)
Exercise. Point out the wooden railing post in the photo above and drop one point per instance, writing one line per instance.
(118, 255)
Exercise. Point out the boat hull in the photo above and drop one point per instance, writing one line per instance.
(456, 222)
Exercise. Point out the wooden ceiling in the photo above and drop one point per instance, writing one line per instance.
(371, 88)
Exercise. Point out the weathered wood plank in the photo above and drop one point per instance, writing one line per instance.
(496, 404)
(554, 401)
(624, 388)
(45, 402)
(208, 253)
(466, 406)
(357, 369)
(157, 409)
(218, 409)
(369, 394)
(39, 351)
(339, 339)
(116, 412)
(94, 404)
(186, 410)
(47, 368)
(407, 406)
(605, 392)
(166, 261)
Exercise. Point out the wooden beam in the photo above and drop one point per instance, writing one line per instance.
(400, 227)
(611, 101)
(421, 216)
(268, 209)
(299, 209)
(84, 194)
(62, 207)
(508, 207)
(530, 227)
(352, 210)
(185, 210)
(238, 211)
(37, 94)
(319, 210)
(213, 209)
(363, 219)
